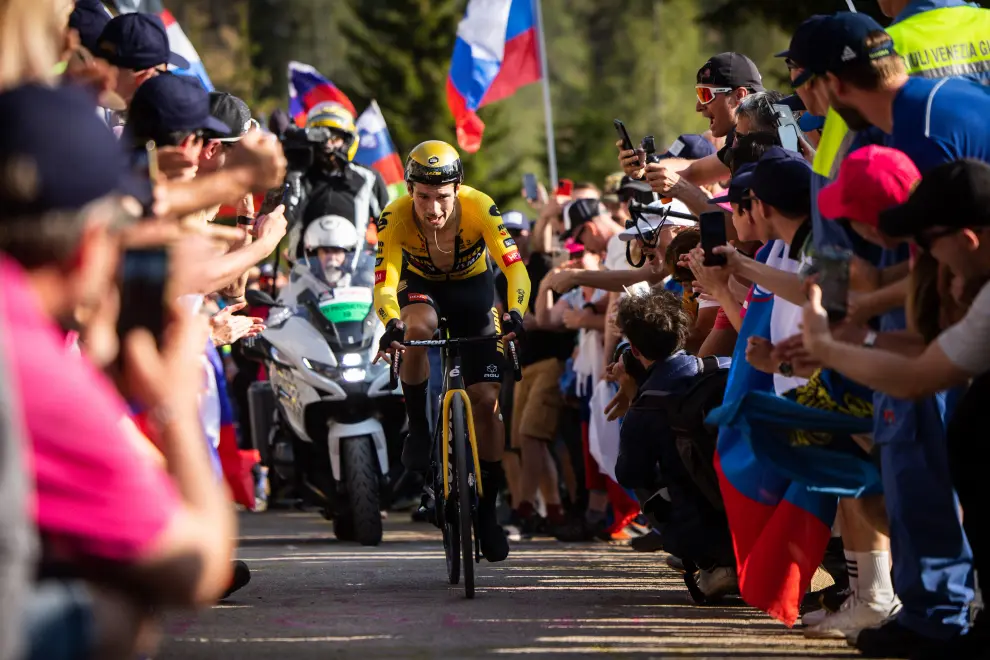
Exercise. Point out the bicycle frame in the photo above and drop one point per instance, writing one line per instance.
(453, 384)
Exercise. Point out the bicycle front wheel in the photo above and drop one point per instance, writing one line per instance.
(465, 490)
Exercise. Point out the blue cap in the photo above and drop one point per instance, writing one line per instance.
(804, 42)
(89, 18)
(741, 182)
(515, 221)
(58, 155)
(167, 104)
(840, 42)
(809, 122)
(782, 179)
(137, 41)
(689, 146)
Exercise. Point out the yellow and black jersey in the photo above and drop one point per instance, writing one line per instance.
(481, 231)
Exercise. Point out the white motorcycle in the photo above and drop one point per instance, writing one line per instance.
(329, 412)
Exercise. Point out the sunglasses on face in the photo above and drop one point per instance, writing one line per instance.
(707, 94)
(926, 239)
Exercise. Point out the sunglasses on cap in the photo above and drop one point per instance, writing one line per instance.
(707, 94)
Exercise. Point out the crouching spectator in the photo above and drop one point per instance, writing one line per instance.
(664, 442)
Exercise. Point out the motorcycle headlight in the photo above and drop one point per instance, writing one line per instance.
(320, 368)
(354, 375)
(352, 360)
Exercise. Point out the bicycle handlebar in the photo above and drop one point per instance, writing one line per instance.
(396, 356)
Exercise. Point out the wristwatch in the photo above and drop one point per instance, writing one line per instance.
(870, 340)
(786, 369)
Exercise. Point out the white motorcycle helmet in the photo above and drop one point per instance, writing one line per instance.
(330, 232)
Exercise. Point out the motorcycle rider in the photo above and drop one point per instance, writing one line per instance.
(328, 245)
(334, 185)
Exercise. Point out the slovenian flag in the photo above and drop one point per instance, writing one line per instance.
(376, 150)
(496, 53)
(307, 88)
(178, 42)
(779, 528)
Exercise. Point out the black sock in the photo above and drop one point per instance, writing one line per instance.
(416, 407)
(491, 482)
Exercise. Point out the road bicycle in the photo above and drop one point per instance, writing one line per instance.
(456, 483)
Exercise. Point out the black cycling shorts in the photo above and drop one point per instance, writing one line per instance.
(469, 307)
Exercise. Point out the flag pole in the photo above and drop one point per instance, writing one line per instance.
(547, 109)
(852, 7)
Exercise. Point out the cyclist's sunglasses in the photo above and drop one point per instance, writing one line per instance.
(707, 94)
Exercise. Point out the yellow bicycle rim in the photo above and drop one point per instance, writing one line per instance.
(472, 439)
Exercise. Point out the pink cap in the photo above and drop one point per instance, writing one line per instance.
(871, 180)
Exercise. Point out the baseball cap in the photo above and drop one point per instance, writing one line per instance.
(689, 146)
(56, 154)
(650, 222)
(871, 180)
(731, 70)
(515, 221)
(631, 186)
(88, 18)
(793, 102)
(840, 42)
(137, 41)
(782, 179)
(804, 42)
(168, 103)
(579, 212)
(740, 184)
(612, 184)
(954, 195)
(232, 112)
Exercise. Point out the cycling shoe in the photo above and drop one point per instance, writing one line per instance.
(491, 536)
(416, 451)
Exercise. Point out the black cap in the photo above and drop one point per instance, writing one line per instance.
(631, 185)
(89, 18)
(955, 195)
(167, 104)
(741, 183)
(579, 212)
(782, 179)
(731, 70)
(840, 42)
(803, 44)
(690, 146)
(793, 102)
(137, 41)
(56, 154)
(232, 112)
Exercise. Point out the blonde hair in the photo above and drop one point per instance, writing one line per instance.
(32, 35)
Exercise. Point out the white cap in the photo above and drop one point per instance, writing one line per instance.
(516, 221)
(649, 222)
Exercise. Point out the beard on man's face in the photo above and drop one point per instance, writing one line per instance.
(853, 118)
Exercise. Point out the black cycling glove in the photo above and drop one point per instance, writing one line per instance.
(514, 324)
(393, 333)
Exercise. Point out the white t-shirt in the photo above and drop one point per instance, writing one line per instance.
(785, 320)
(615, 259)
(967, 343)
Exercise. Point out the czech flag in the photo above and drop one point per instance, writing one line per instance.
(178, 42)
(779, 528)
(377, 151)
(497, 52)
(308, 88)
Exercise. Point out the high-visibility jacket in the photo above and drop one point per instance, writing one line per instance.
(938, 43)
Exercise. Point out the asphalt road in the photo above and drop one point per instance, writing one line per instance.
(313, 597)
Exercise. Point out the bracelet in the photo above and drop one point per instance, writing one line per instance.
(245, 220)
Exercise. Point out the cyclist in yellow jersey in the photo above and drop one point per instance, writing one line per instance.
(433, 248)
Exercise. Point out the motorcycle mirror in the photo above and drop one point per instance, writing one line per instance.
(258, 298)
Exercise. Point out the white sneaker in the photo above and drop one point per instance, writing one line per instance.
(817, 616)
(718, 582)
(854, 616)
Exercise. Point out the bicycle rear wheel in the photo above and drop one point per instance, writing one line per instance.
(465, 492)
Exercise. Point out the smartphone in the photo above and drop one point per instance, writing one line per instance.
(712, 226)
(143, 276)
(620, 129)
(144, 163)
(832, 267)
(787, 128)
(530, 188)
(565, 187)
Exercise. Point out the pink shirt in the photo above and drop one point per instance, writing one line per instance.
(96, 494)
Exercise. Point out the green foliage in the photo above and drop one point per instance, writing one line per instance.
(728, 14)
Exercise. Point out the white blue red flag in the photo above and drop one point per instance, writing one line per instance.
(376, 150)
(177, 40)
(307, 88)
(496, 53)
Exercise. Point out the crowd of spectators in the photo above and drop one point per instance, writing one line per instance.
(831, 352)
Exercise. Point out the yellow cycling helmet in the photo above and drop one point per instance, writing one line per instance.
(336, 117)
(434, 163)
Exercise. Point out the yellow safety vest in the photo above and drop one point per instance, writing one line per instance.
(951, 41)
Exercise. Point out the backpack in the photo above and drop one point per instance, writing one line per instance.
(686, 413)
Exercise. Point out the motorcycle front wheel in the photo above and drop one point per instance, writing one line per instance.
(361, 476)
